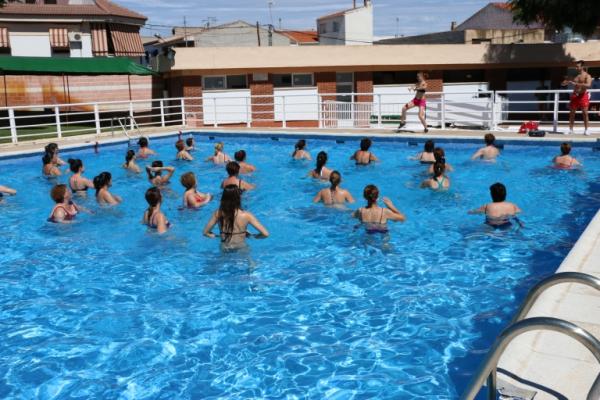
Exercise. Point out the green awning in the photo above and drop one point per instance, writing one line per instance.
(86, 66)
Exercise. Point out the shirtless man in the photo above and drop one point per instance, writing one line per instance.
(580, 97)
(489, 152)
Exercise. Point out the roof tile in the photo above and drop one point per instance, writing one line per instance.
(99, 8)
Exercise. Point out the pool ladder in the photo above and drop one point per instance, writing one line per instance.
(123, 122)
(487, 370)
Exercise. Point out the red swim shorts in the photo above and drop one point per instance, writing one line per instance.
(580, 101)
(419, 102)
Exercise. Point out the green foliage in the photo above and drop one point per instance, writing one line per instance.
(582, 16)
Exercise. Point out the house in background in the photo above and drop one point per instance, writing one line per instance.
(492, 24)
(70, 28)
(301, 38)
(349, 27)
(233, 34)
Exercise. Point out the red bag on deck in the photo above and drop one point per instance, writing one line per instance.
(529, 126)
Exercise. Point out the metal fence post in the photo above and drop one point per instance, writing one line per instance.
(379, 116)
(183, 118)
(353, 112)
(97, 119)
(443, 111)
(215, 123)
(130, 116)
(13, 125)
(57, 120)
(248, 117)
(494, 105)
(162, 113)
(284, 117)
(320, 113)
(555, 114)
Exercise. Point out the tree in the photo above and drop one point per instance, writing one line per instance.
(582, 16)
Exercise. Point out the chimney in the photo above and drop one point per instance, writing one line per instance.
(453, 25)
(367, 3)
(353, 3)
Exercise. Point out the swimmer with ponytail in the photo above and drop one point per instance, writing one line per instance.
(130, 164)
(321, 171)
(374, 217)
(153, 216)
(102, 183)
(334, 194)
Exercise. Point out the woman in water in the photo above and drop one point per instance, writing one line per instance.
(321, 171)
(439, 181)
(77, 182)
(192, 198)
(52, 148)
(144, 151)
(65, 209)
(364, 156)
(190, 145)
(419, 101)
(219, 157)
(182, 153)
(50, 169)
(426, 156)
(565, 160)
(500, 212)
(102, 183)
(300, 152)
(440, 157)
(155, 176)
(6, 190)
(233, 220)
(374, 217)
(130, 164)
(489, 152)
(245, 168)
(233, 170)
(153, 216)
(334, 194)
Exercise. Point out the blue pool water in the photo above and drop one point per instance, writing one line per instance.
(104, 309)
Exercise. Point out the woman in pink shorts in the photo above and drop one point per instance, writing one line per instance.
(419, 101)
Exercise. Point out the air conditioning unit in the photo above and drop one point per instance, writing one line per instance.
(75, 36)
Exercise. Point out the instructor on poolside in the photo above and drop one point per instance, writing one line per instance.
(580, 97)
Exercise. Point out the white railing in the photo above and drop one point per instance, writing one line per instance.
(479, 110)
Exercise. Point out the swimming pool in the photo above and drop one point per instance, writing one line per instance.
(104, 309)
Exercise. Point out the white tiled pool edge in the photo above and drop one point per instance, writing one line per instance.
(553, 360)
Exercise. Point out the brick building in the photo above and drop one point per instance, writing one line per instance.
(235, 78)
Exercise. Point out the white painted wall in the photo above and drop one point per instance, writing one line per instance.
(359, 27)
(232, 106)
(301, 104)
(30, 45)
(331, 38)
(464, 107)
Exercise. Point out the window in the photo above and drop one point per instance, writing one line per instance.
(225, 82)
(336, 26)
(479, 41)
(323, 28)
(394, 77)
(292, 80)
(49, 1)
(236, 82)
(344, 86)
(461, 76)
(214, 82)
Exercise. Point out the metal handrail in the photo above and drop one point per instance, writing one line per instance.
(558, 278)
(133, 122)
(487, 371)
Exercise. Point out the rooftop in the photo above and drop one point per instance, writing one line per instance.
(305, 37)
(102, 8)
(495, 16)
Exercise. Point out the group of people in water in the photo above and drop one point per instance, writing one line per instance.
(232, 220)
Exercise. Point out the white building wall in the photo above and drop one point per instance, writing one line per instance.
(329, 37)
(359, 26)
(30, 44)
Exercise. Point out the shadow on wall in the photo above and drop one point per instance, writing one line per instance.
(528, 54)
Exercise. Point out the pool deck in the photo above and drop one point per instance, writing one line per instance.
(36, 146)
(552, 365)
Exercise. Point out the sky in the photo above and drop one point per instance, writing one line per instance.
(414, 16)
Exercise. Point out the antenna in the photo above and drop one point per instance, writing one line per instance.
(397, 25)
(208, 20)
(271, 3)
(280, 25)
(185, 38)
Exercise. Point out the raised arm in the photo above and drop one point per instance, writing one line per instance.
(214, 218)
(477, 155)
(7, 190)
(318, 197)
(170, 172)
(392, 212)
